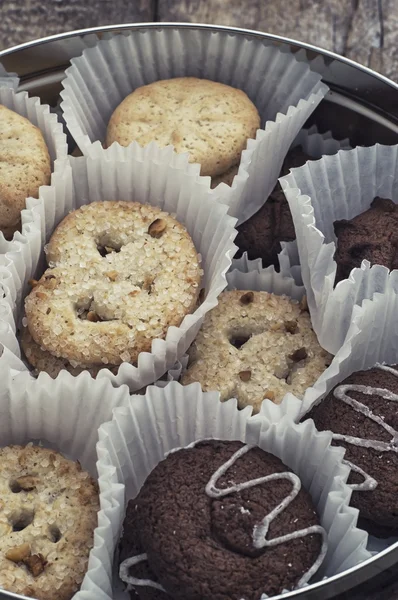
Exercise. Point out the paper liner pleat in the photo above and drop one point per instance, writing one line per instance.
(282, 86)
(338, 187)
(151, 175)
(140, 435)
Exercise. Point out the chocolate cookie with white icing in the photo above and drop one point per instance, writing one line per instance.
(220, 519)
(362, 414)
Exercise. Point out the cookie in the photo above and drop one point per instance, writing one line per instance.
(255, 346)
(42, 360)
(24, 166)
(211, 121)
(371, 236)
(262, 234)
(48, 514)
(120, 274)
(204, 536)
(226, 177)
(362, 414)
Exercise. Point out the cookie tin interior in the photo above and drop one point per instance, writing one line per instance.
(361, 105)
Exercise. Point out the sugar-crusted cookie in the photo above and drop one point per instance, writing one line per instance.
(255, 346)
(42, 360)
(48, 514)
(210, 120)
(24, 166)
(189, 538)
(120, 274)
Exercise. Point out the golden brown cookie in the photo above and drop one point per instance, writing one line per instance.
(255, 346)
(42, 360)
(24, 166)
(120, 274)
(48, 514)
(210, 120)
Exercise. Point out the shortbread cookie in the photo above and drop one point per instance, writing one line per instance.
(48, 514)
(188, 537)
(210, 120)
(255, 346)
(24, 166)
(120, 274)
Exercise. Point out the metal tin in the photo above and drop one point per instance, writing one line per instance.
(361, 105)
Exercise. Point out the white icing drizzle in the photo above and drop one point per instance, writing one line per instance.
(133, 581)
(259, 531)
(340, 393)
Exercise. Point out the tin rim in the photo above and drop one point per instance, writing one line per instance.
(388, 557)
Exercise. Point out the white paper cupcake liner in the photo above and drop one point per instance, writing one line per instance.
(153, 176)
(321, 192)
(140, 435)
(10, 80)
(54, 136)
(316, 145)
(65, 415)
(280, 84)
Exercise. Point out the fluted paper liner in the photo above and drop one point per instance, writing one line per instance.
(65, 415)
(52, 130)
(140, 435)
(280, 84)
(316, 145)
(321, 192)
(149, 175)
(10, 80)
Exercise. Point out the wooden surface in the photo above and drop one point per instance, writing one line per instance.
(363, 30)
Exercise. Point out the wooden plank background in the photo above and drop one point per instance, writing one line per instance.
(363, 30)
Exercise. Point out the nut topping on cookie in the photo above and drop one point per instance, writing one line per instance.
(247, 298)
(26, 483)
(157, 228)
(19, 553)
(35, 564)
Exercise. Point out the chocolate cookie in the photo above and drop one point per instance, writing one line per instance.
(362, 413)
(198, 531)
(262, 234)
(372, 236)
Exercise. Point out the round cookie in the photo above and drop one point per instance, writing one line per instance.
(262, 234)
(203, 543)
(362, 414)
(24, 166)
(256, 345)
(371, 236)
(43, 360)
(211, 121)
(48, 514)
(120, 274)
